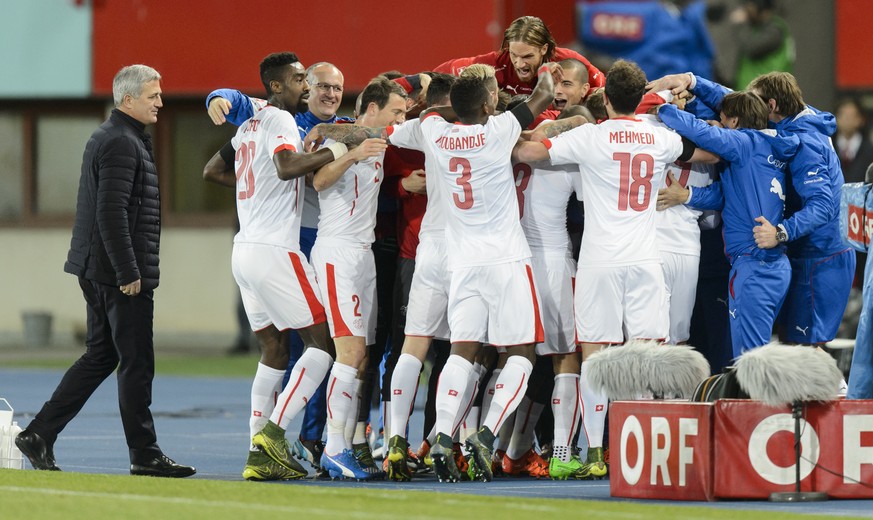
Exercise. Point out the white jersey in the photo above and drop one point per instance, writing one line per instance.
(348, 208)
(433, 224)
(543, 194)
(268, 207)
(473, 163)
(622, 164)
(678, 228)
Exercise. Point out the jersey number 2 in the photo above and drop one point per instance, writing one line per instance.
(634, 180)
(245, 156)
(456, 163)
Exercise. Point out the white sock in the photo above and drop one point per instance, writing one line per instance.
(265, 387)
(489, 391)
(470, 424)
(360, 430)
(308, 373)
(352, 419)
(386, 423)
(593, 411)
(504, 435)
(450, 392)
(340, 389)
(508, 391)
(470, 392)
(526, 417)
(404, 383)
(565, 408)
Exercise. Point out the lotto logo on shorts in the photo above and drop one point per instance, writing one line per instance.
(598, 408)
(556, 401)
(346, 395)
(453, 393)
(498, 387)
(257, 413)
(398, 391)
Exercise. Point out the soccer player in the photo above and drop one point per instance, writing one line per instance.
(679, 233)
(527, 44)
(325, 97)
(348, 189)
(492, 294)
(543, 193)
(750, 189)
(266, 165)
(619, 282)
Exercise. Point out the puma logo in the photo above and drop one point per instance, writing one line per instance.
(733, 313)
(776, 187)
(722, 301)
(803, 330)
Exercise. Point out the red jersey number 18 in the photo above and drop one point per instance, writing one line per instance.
(635, 179)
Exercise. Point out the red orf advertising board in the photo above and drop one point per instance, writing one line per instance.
(661, 450)
(754, 449)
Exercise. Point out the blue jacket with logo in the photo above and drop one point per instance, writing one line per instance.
(751, 183)
(812, 206)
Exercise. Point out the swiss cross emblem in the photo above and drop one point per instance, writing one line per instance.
(257, 413)
(398, 391)
(598, 408)
(556, 401)
(498, 387)
(453, 393)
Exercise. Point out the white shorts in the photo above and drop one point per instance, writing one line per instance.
(553, 275)
(495, 303)
(277, 287)
(614, 303)
(427, 308)
(680, 277)
(347, 279)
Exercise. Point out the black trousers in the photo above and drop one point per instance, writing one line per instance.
(119, 335)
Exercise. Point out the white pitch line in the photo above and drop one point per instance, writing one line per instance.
(188, 501)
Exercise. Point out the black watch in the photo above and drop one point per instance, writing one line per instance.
(781, 235)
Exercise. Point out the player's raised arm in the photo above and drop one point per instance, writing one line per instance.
(544, 93)
(327, 175)
(349, 135)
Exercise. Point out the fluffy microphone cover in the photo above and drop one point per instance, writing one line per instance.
(640, 368)
(780, 374)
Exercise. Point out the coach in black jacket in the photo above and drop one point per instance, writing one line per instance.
(114, 252)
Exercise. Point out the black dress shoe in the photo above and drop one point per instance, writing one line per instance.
(37, 451)
(161, 466)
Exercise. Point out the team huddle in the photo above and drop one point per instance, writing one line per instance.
(494, 270)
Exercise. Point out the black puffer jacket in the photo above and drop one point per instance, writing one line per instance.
(116, 235)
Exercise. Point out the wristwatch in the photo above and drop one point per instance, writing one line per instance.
(781, 234)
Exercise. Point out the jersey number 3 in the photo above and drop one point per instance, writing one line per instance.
(456, 163)
(634, 180)
(244, 158)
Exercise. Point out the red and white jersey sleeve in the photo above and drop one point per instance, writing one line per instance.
(474, 166)
(622, 165)
(678, 229)
(408, 135)
(348, 208)
(268, 208)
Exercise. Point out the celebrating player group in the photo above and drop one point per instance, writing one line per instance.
(440, 224)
